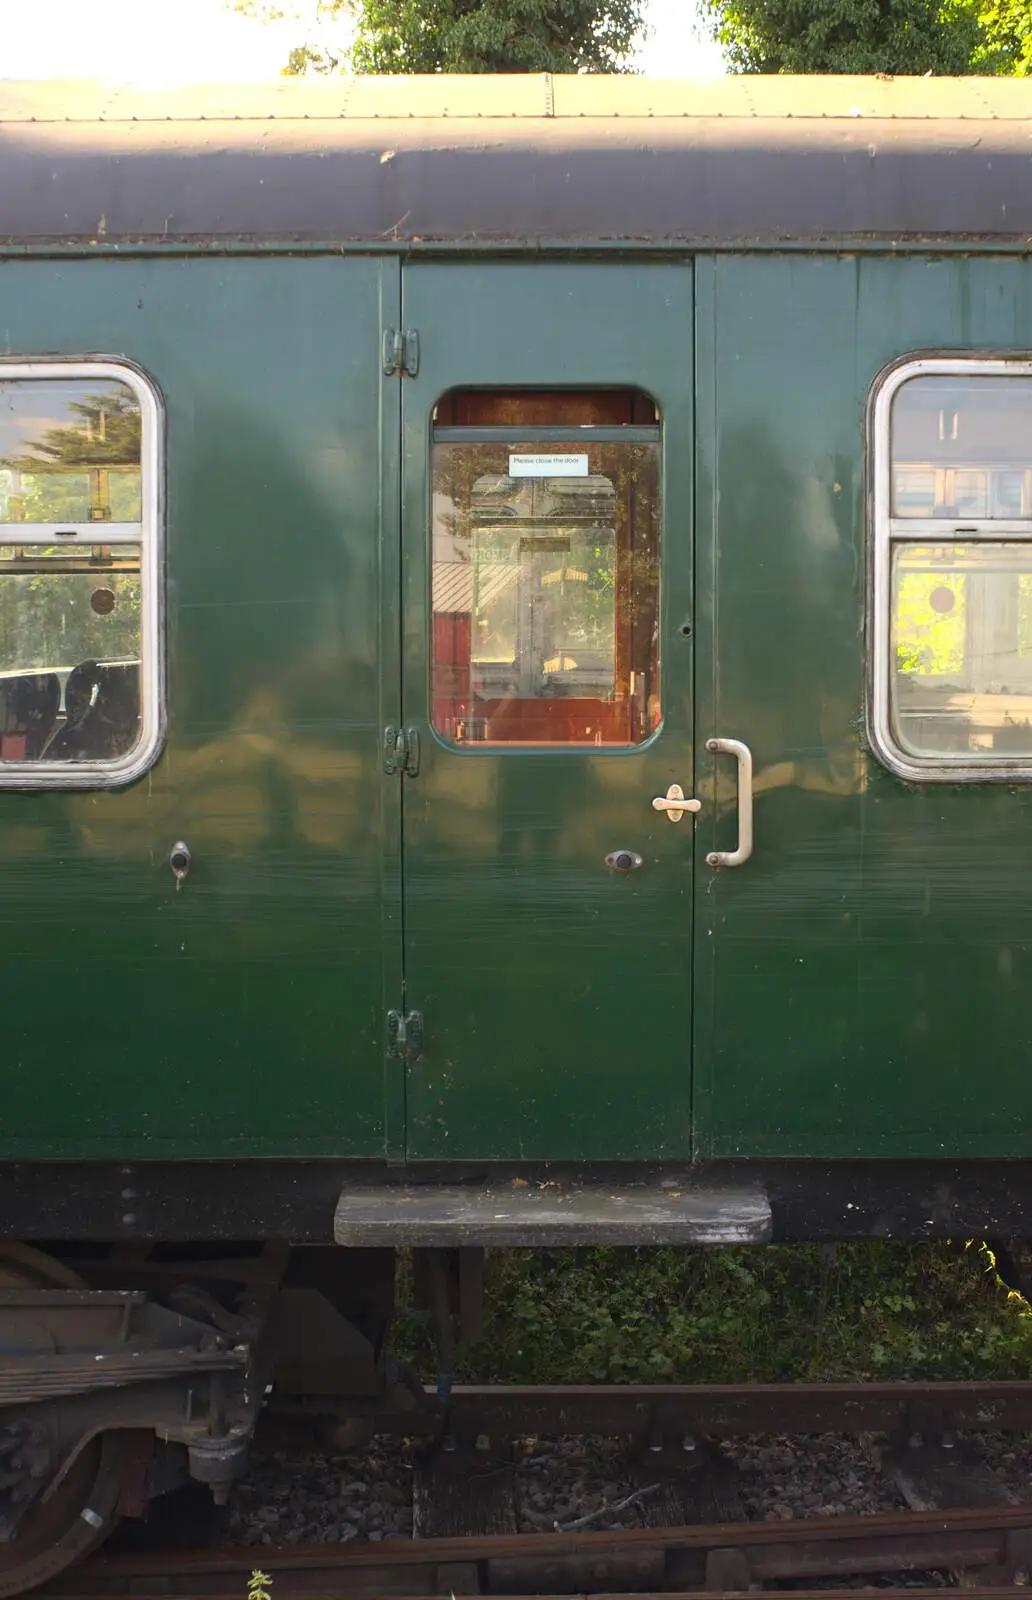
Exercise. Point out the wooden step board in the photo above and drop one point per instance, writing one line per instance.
(536, 1213)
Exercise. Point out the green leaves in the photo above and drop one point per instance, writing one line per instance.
(402, 36)
(908, 37)
(765, 1314)
(408, 36)
(1008, 29)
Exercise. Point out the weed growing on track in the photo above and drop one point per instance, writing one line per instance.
(771, 1313)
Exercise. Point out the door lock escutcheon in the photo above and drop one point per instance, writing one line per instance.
(675, 804)
(623, 861)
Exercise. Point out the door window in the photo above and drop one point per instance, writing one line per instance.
(79, 574)
(545, 571)
(952, 668)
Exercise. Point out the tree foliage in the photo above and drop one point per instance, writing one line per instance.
(909, 37)
(93, 455)
(495, 35)
(100, 430)
(1008, 24)
(408, 36)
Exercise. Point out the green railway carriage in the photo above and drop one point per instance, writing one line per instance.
(515, 704)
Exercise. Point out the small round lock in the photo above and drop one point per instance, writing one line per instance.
(179, 860)
(623, 860)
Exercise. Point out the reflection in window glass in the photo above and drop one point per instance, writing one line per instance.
(541, 569)
(962, 447)
(69, 653)
(962, 649)
(545, 592)
(71, 571)
(69, 451)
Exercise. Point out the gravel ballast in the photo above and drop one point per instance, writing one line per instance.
(315, 1498)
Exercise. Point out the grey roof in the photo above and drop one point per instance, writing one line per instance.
(400, 161)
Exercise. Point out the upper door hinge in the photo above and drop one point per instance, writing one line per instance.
(400, 751)
(400, 351)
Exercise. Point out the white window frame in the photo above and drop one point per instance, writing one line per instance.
(148, 533)
(885, 531)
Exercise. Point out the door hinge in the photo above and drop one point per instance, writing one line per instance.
(400, 352)
(405, 1036)
(400, 751)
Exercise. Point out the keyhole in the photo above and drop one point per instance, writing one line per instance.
(179, 861)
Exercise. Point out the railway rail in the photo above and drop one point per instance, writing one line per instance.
(726, 1410)
(465, 1540)
(724, 1558)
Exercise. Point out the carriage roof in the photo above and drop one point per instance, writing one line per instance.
(399, 163)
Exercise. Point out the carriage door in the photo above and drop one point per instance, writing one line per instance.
(546, 559)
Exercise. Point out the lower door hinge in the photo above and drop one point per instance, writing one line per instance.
(400, 352)
(405, 1036)
(400, 751)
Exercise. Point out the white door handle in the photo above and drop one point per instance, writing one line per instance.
(743, 755)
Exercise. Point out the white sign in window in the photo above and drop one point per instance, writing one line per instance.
(544, 466)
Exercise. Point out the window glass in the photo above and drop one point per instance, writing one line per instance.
(69, 653)
(546, 588)
(962, 447)
(79, 669)
(962, 649)
(69, 451)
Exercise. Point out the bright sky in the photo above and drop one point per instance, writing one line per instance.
(190, 41)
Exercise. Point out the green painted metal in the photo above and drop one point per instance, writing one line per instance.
(853, 984)
(556, 995)
(862, 983)
(244, 1014)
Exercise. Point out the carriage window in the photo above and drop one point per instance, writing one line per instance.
(79, 652)
(545, 571)
(952, 677)
(962, 447)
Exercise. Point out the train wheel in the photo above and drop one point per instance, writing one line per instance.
(81, 1512)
